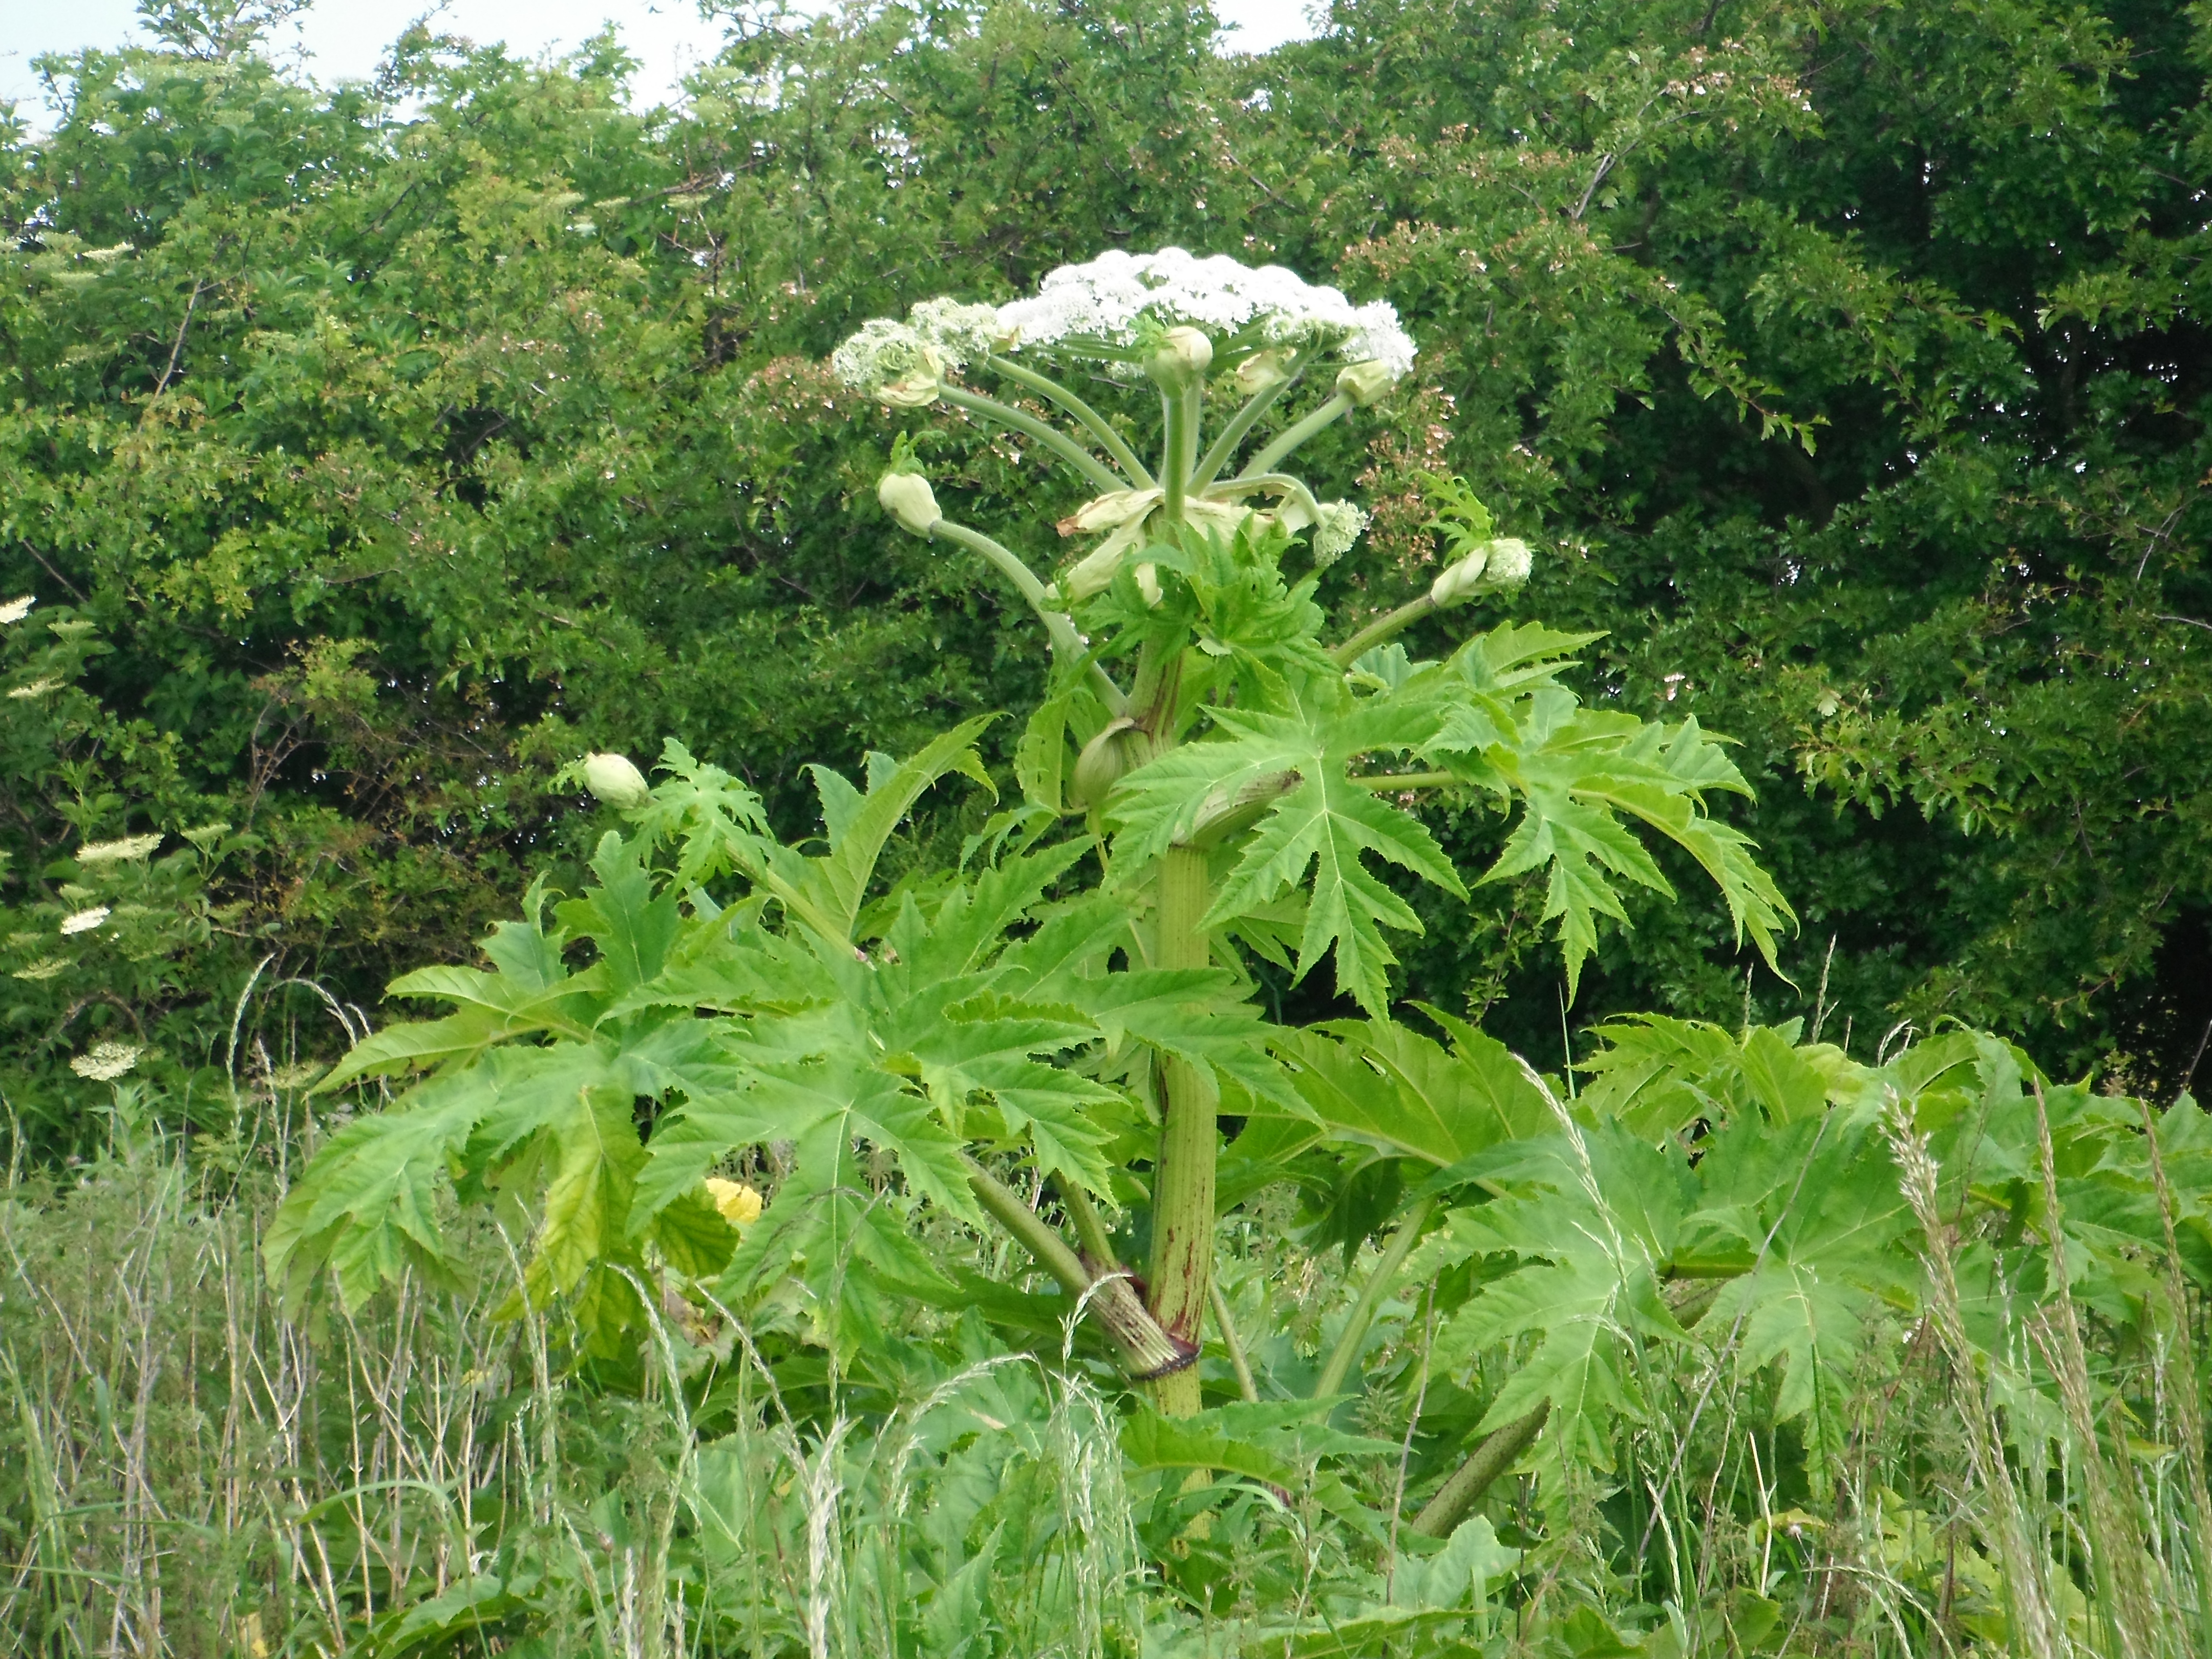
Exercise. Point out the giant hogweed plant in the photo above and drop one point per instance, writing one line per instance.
(1049, 1035)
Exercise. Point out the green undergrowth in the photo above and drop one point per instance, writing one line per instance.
(1836, 1358)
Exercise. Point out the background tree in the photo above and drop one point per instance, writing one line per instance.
(405, 439)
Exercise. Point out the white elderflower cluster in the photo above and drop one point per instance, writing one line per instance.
(118, 851)
(15, 609)
(83, 922)
(105, 1062)
(1105, 299)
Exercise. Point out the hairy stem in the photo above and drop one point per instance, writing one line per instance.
(1090, 1231)
(1051, 437)
(1225, 444)
(1381, 630)
(1065, 642)
(1225, 1322)
(1145, 1350)
(1383, 783)
(1099, 427)
(1349, 1341)
(1334, 410)
(1194, 411)
(1184, 1180)
(1498, 1451)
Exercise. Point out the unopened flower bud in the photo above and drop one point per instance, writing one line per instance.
(1263, 371)
(616, 781)
(1495, 567)
(1510, 562)
(1183, 355)
(908, 497)
(1104, 761)
(1457, 581)
(1363, 384)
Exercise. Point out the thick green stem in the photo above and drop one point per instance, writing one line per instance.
(1224, 1321)
(1353, 1336)
(1154, 692)
(1334, 410)
(1099, 427)
(1065, 642)
(1194, 411)
(1183, 1179)
(1224, 446)
(1058, 441)
(1146, 1351)
(1381, 630)
(1175, 454)
(1499, 1451)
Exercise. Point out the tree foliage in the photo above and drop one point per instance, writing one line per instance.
(403, 438)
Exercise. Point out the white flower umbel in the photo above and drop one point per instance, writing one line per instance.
(1197, 328)
(902, 363)
(889, 360)
(1340, 526)
(83, 922)
(1107, 298)
(15, 609)
(960, 333)
(1495, 567)
(105, 1062)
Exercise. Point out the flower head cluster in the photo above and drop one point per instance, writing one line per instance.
(1112, 300)
(105, 1062)
(15, 609)
(83, 922)
(118, 851)
(903, 362)
(1340, 526)
(1107, 298)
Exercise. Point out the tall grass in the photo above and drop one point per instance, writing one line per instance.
(184, 1470)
